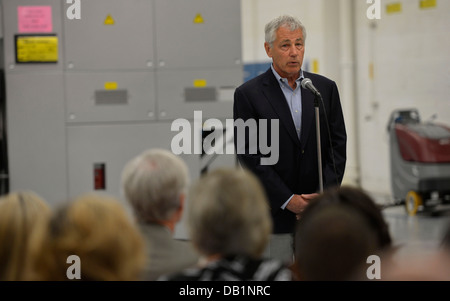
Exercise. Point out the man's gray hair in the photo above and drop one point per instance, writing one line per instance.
(229, 213)
(282, 21)
(153, 182)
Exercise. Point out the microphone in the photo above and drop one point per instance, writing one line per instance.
(307, 84)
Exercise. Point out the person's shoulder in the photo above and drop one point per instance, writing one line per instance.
(275, 270)
(254, 81)
(154, 231)
(185, 247)
(261, 269)
(193, 273)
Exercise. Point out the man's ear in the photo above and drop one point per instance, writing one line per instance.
(268, 49)
(179, 212)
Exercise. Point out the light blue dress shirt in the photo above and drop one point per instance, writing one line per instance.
(294, 100)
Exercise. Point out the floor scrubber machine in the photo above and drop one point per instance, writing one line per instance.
(419, 161)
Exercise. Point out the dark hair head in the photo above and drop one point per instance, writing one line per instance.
(360, 200)
(332, 240)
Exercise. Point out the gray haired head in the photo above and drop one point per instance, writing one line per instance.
(282, 21)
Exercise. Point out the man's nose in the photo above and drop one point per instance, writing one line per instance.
(293, 51)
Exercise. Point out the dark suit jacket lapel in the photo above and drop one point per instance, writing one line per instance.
(275, 97)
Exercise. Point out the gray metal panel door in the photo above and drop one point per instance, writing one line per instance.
(110, 96)
(198, 33)
(112, 34)
(179, 95)
(36, 134)
(114, 145)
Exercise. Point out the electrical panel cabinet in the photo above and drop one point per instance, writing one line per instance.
(84, 96)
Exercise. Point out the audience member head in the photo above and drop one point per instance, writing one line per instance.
(331, 241)
(358, 199)
(155, 184)
(98, 230)
(228, 214)
(20, 214)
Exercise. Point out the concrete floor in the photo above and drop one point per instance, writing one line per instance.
(420, 233)
(418, 241)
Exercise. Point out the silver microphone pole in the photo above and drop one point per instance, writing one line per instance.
(307, 84)
(319, 151)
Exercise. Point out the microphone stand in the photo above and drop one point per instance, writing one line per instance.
(317, 96)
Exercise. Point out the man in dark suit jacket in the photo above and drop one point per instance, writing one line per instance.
(277, 95)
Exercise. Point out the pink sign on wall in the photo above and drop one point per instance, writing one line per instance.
(34, 19)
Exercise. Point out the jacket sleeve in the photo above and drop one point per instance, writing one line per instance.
(336, 155)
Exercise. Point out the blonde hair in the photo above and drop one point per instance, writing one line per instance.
(20, 213)
(98, 230)
(228, 214)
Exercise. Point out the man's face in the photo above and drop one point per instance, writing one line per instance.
(287, 52)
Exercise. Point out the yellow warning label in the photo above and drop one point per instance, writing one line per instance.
(37, 49)
(315, 66)
(427, 4)
(198, 19)
(111, 86)
(109, 20)
(394, 8)
(199, 83)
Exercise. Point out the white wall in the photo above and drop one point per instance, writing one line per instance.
(410, 52)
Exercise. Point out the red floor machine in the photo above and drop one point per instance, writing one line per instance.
(420, 161)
